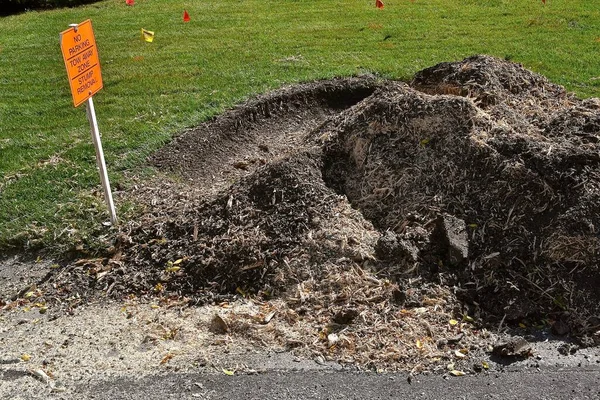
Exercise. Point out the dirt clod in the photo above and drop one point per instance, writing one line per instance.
(512, 348)
(450, 234)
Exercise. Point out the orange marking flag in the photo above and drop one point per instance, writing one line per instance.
(379, 4)
(186, 16)
(78, 47)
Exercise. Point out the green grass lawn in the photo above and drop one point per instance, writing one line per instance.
(231, 49)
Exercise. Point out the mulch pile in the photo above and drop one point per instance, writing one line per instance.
(488, 185)
(386, 224)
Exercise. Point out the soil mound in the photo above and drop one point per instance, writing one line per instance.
(369, 210)
(222, 150)
(259, 235)
(508, 217)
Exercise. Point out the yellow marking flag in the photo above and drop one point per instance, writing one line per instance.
(148, 36)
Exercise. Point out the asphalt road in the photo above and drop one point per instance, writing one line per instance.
(560, 384)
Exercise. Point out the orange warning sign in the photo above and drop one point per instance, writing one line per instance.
(80, 53)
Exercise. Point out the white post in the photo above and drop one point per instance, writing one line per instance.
(91, 114)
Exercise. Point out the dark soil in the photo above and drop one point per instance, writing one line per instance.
(526, 195)
(219, 152)
(472, 191)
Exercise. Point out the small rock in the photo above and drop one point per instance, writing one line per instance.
(513, 348)
(455, 339)
(218, 325)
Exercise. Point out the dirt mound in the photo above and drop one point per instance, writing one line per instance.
(218, 152)
(253, 215)
(490, 83)
(363, 211)
(246, 239)
(519, 208)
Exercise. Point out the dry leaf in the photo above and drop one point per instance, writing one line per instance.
(269, 317)
(456, 372)
(166, 358)
(101, 275)
(332, 339)
(467, 318)
(41, 375)
(458, 354)
(241, 165)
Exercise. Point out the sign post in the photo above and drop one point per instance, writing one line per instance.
(78, 46)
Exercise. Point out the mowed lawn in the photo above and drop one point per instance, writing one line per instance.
(230, 50)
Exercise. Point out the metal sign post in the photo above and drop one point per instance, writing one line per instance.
(78, 46)
(91, 114)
